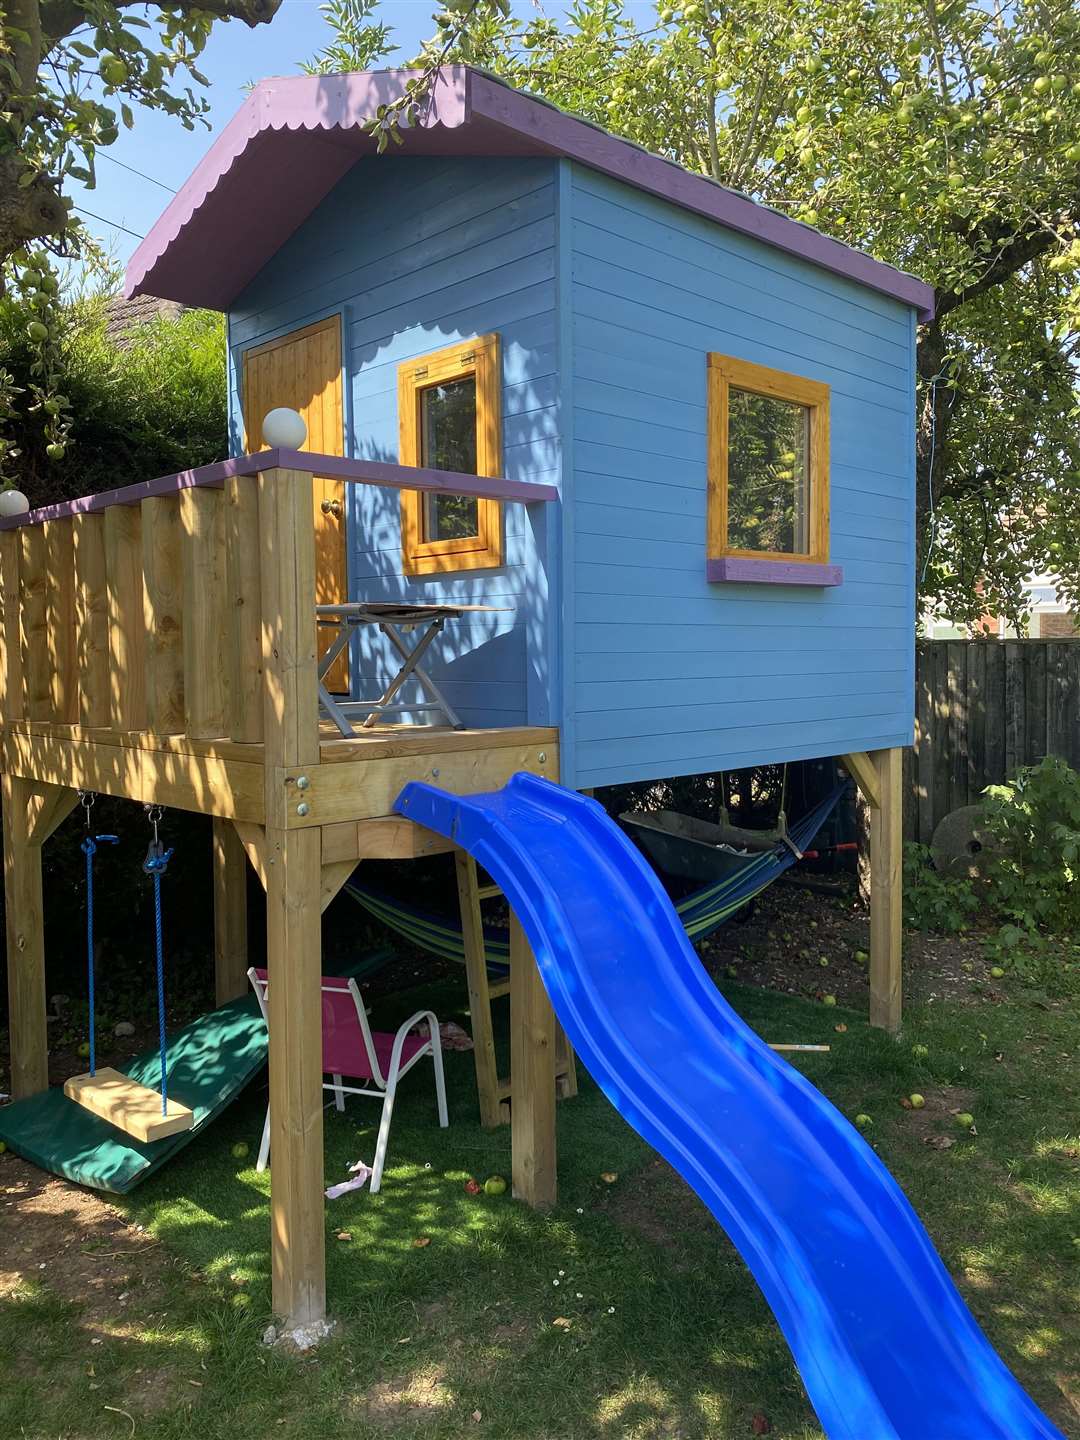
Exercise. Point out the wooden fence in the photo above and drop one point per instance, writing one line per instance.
(982, 709)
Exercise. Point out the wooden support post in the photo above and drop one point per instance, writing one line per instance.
(293, 862)
(230, 913)
(293, 933)
(472, 932)
(532, 1064)
(886, 891)
(25, 943)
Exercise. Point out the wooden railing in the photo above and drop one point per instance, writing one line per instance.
(140, 609)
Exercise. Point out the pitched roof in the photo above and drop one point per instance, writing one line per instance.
(295, 137)
(123, 316)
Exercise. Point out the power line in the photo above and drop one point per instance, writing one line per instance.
(104, 155)
(111, 223)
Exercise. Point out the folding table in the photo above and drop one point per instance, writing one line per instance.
(393, 619)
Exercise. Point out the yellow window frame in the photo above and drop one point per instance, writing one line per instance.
(726, 372)
(484, 550)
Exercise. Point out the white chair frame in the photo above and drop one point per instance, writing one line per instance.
(386, 1086)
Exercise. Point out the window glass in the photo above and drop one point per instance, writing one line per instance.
(448, 442)
(768, 501)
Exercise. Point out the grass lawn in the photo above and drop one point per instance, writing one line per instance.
(625, 1313)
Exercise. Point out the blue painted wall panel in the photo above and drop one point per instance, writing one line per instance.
(607, 302)
(418, 254)
(668, 674)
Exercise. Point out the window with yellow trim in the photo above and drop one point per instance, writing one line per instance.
(449, 405)
(768, 463)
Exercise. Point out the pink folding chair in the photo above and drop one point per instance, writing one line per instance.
(351, 1048)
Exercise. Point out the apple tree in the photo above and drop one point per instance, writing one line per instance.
(941, 135)
(72, 73)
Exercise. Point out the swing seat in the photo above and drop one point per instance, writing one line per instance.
(131, 1107)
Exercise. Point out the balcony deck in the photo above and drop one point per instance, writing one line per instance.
(147, 650)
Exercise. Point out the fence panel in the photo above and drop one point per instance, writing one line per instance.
(983, 708)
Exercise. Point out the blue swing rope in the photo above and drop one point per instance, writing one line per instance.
(157, 859)
(89, 848)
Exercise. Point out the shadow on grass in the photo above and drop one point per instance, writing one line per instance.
(587, 1322)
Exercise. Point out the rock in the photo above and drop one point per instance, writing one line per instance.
(269, 1335)
(123, 1029)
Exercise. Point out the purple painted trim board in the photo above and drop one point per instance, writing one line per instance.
(771, 572)
(359, 472)
(295, 137)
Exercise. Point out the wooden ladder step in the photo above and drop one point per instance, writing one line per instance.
(493, 1090)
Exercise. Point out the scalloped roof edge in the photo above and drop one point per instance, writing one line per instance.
(294, 137)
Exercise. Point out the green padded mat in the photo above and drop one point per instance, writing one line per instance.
(210, 1062)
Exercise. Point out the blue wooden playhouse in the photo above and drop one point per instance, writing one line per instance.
(608, 475)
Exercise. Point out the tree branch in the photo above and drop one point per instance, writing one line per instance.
(59, 18)
(1013, 255)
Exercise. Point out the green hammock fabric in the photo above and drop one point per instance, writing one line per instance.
(701, 913)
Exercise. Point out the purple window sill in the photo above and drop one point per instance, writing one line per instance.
(740, 569)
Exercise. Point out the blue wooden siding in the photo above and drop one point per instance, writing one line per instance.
(667, 674)
(418, 254)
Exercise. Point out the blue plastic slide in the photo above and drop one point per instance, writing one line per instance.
(886, 1346)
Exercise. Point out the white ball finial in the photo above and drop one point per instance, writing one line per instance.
(283, 429)
(13, 502)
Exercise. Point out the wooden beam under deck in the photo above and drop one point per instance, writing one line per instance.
(354, 781)
(337, 793)
(230, 789)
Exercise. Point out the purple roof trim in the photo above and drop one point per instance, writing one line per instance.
(360, 472)
(743, 570)
(295, 137)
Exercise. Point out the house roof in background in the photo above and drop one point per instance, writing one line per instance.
(123, 315)
(295, 137)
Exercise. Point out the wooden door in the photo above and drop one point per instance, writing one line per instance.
(303, 371)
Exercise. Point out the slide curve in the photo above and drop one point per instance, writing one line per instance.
(887, 1348)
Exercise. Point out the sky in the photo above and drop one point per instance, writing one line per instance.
(125, 204)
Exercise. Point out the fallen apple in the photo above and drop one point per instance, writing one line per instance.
(472, 1187)
(965, 1119)
(920, 1052)
(863, 1121)
(828, 999)
(495, 1185)
(917, 1101)
(609, 1177)
(861, 957)
(996, 972)
(84, 1049)
(240, 1150)
(3, 1147)
(824, 961)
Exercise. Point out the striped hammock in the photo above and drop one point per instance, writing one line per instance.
(701, 913)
